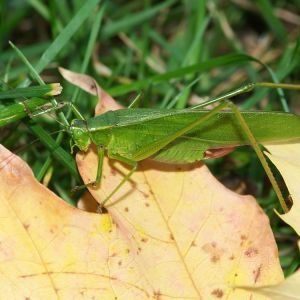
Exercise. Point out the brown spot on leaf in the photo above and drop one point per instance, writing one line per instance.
(157, 295)
(147, 204)
(215, 258)
(231, 257)
(126, 209)
(214, 251)
(144, 240)
(251, 252)
(194, 244)
(172, 237)
(218, 293)
(120, 263)
(26, 226)
(256, 273)
(113, 172)
(243, 237)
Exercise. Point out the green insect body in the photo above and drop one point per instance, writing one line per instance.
(137, 133)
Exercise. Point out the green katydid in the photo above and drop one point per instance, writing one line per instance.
(181, 135)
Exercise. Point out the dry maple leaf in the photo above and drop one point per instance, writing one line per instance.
(167, 240)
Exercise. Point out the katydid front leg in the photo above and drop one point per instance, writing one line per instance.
(96, 182)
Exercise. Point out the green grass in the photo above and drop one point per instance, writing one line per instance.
(173, 53)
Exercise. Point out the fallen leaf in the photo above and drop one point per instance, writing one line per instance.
(287, 160)
(153, 244)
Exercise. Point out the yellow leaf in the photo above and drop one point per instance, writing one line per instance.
(164, 240)
(287, 160)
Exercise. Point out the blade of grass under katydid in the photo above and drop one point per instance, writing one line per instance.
(132, 20)
(275, 25)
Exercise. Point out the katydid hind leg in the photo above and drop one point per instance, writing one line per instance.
(252, 140)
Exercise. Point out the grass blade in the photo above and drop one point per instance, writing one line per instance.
(65, 36)
(133, 20)
(51, 89)
(205, 66)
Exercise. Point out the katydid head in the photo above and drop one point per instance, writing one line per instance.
(79, 135)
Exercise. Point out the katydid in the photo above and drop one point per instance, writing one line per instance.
(180, 135)
(183, 135)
